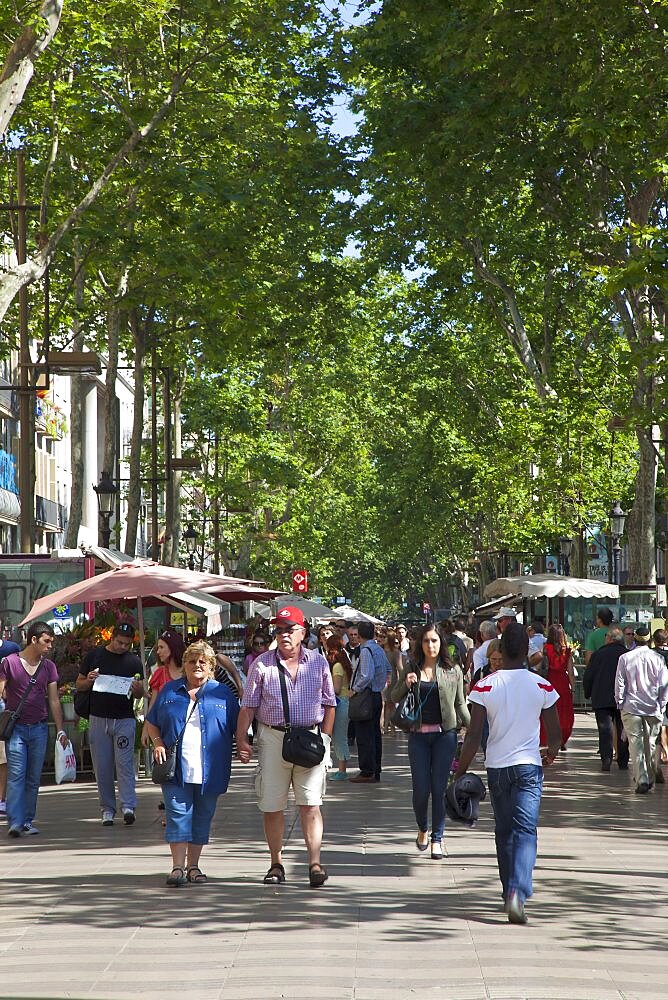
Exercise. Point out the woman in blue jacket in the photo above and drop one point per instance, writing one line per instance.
(206, 713)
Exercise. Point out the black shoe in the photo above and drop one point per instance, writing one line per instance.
(129, 817)
(623, 767)
(606, 763)
(642, 788)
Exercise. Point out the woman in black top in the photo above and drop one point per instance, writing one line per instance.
(432, 748)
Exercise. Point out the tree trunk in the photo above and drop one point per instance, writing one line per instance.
(134, 485)
(76, 412)
(640, 524)
(19, 65)
(173, 487)
(111, 400)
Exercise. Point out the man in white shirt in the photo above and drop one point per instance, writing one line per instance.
(487, 632)
(641, 693)
(513, 700)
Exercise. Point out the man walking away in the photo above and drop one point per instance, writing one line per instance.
(641, 693)
(514, 700)
(599, 686)
(372, 672)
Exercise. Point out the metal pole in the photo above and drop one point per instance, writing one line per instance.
(665, 505)
(216, 507)
(616, 551)
(154, 455)
(26, 401)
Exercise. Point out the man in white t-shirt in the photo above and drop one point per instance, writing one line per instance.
(513, 700)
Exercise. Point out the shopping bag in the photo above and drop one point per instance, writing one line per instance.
(66, 763)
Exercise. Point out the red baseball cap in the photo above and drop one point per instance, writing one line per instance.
(288, 616)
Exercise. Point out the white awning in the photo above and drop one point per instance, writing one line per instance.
(551, 585)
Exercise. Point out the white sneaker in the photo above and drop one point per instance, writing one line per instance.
(3, 807)
(107, 818)
(30, 830)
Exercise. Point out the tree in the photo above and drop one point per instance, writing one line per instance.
(509, 151)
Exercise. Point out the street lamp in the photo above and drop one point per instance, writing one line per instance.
(106, 491)
(617, 519)
(564, 552)
(190, 538)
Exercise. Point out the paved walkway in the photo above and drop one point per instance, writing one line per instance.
(86, 912)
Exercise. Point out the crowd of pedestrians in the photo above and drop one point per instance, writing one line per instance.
(306, 702)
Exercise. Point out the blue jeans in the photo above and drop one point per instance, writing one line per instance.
(188, 812)
(515, 793)
(340, 734)
(25, 758)
(431, 756)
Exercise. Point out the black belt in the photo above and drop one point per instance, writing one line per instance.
(284, 729)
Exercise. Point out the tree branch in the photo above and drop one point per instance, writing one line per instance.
(25, 274)
(19, 65)
(516, 330)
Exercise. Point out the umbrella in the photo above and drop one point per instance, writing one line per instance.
(347, 614)
(146, 579)
(551, 585)
(309, 609)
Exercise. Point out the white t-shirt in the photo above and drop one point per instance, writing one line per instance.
(191, 749)
(480, 657)
(536, 643)
(513, 700)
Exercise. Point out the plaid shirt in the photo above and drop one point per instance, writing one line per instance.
(308, 695)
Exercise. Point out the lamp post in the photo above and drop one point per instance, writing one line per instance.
(564, 552)
(190, 538)
(106, 491)
(617, 519)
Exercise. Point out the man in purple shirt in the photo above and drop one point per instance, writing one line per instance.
(311, 703)
(31, 671)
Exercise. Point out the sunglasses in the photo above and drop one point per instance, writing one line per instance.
(259, 642)
(286, 629)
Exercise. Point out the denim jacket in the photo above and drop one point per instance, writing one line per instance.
(219, 711)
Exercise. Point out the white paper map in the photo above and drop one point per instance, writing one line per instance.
(111, 684)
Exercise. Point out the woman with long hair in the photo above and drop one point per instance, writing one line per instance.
(432, 748)
(560, 675)
(393, 653)
(342, 673)
(169, 650)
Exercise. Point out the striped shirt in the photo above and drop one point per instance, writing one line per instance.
(308, 695)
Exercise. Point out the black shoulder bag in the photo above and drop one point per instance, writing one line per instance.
(164, 771)
(82, 702)
(300, 745)
(360, 703)
(9, 718)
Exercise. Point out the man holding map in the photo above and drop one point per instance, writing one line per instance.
(112, 675)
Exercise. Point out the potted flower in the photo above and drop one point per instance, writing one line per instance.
(66, 694)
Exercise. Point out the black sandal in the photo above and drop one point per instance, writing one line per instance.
(174, 880)
(195, 874)
(275, 875)
(317, 878)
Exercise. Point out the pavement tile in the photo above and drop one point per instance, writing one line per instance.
(103, 891)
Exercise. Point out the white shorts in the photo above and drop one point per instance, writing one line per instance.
(274, 775)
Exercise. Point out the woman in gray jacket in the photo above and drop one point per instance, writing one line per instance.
(432, 748)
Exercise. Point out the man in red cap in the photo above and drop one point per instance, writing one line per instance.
(311, 704)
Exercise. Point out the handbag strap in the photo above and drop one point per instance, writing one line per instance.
(284, 693)
(31, 683)
(192, 709)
